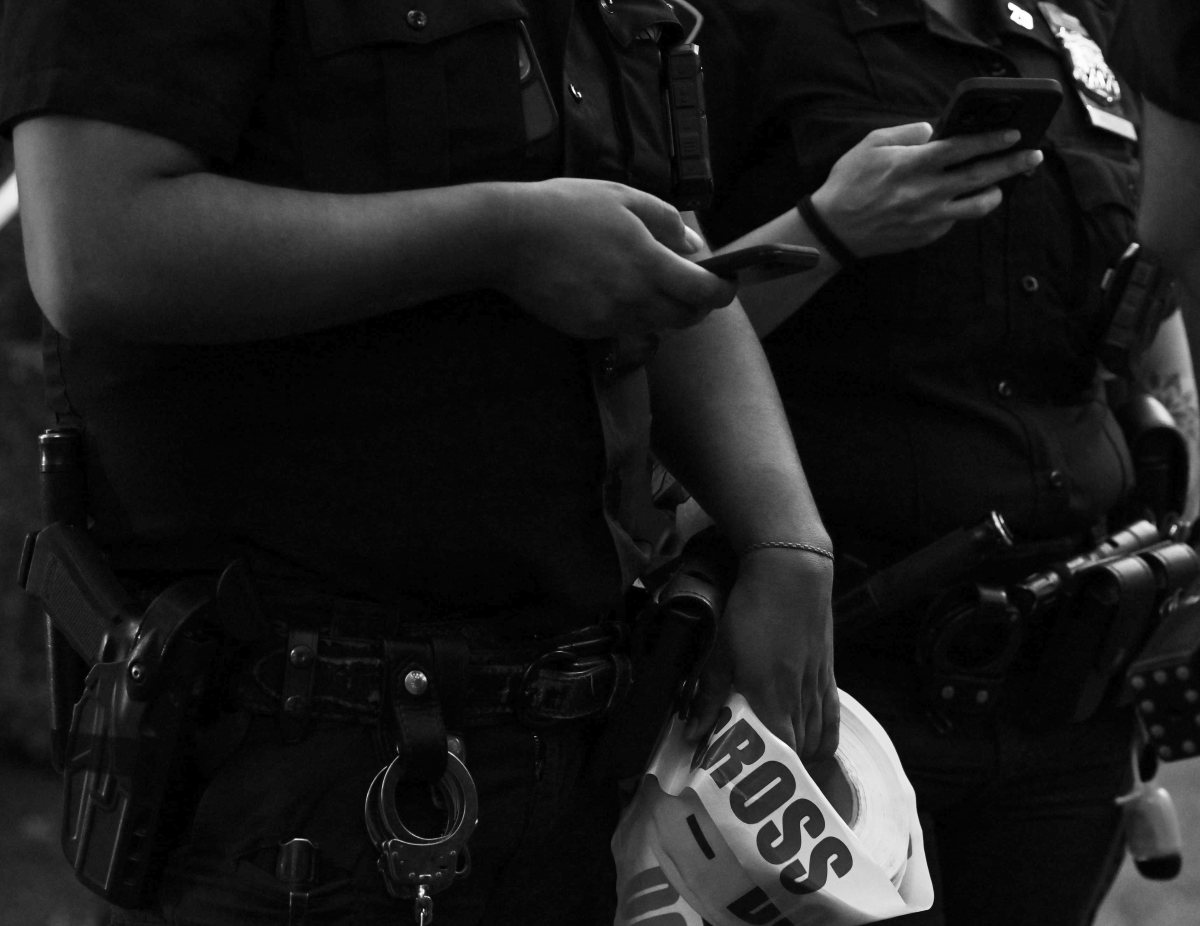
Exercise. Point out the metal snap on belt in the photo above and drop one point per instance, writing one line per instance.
(420, 866)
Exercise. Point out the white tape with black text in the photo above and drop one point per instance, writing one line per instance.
(739, 831)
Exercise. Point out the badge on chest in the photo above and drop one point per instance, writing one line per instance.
(1096, 84)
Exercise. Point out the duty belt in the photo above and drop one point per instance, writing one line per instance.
(319, 675)
(1062, 634)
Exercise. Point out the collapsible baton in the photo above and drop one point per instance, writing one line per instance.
(902, 585)
(63, 486)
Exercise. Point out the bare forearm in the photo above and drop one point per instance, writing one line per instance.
(130, 236)
(1165, 371)
(892, 191)
(174, 252)
(719, 426)
(769, 304)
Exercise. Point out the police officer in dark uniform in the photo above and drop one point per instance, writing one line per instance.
(367, 298)
(931, 382)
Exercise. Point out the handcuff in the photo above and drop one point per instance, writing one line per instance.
(415, 866)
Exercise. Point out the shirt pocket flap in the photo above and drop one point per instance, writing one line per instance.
(1099, 181)
(340, 25)
(628, 20)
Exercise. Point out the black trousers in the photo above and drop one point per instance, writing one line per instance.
(539, 855)
(1020, 823)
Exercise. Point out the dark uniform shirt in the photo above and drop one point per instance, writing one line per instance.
(456, 455)
(927, 387)
(1157, 46)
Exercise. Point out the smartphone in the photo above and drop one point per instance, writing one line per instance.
(989, 104)
(762, 262)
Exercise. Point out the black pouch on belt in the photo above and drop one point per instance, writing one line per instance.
(968, 641)
(1091, 640)
(668, 643)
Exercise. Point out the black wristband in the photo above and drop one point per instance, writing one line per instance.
(833, 244)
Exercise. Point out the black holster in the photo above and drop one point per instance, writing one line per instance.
(1160, 459)
(669, 641)
(130, 679)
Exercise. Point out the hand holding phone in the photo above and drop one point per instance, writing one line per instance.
(991, 104)
(762, 262)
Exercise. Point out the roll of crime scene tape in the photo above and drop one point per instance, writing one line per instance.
(739, 831)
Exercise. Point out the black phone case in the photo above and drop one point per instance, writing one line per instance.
(989, 104)
(762, 262)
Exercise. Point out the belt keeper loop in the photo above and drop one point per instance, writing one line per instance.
(412, 692)
(299, 676)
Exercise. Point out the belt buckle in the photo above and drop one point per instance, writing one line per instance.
(523, 701)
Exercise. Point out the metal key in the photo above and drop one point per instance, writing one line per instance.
(419, 866)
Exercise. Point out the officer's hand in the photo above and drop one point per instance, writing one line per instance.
(897, 190)
(775, 646)
(597, 259)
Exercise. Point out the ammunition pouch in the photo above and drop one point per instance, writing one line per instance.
(1090, 639)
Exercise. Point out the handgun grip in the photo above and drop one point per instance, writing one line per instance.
(63, 567)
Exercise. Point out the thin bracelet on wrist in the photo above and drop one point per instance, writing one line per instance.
(790, 545)
(824, 234)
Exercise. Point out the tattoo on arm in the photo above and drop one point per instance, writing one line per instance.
(1180, 402)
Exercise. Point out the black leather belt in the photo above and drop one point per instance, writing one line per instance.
(349, 679)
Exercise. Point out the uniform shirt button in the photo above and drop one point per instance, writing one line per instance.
(416, 19)
(1057, 479)
(1004, 389)
(1030, 283)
